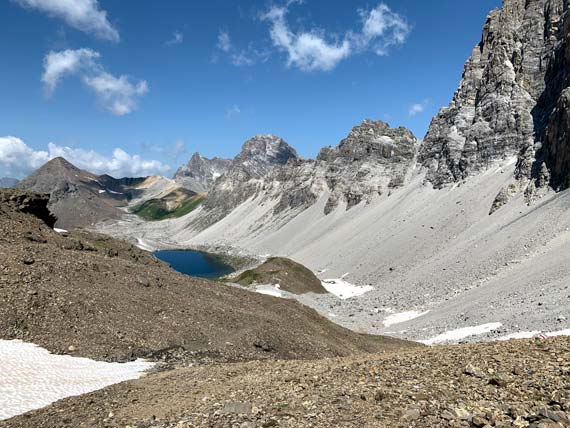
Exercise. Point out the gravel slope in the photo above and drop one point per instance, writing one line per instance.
(97, 297)
(420, 249)
(502, 384)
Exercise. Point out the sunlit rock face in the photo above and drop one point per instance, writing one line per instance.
(507, 97)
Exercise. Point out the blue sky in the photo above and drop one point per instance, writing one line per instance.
(134, 87)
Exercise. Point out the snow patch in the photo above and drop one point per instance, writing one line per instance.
(462, 333)
(402, 317)
(343, 289)
(55, 229)
(270, 290)
(31, 377)
(531, 334)
(520, 335)
(559, 333)
(102, 191)
(143, 245)
(113, 192)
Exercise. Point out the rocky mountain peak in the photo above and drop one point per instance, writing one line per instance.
(263, 152)
(200, 173)
(372, 140)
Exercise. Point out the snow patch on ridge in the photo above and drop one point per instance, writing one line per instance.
(532, 334)
(402, 317)
(462, 333)
(32, 378)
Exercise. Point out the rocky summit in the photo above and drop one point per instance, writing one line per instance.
(247, 175)
(200, 173)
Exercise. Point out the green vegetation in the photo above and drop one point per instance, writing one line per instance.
(157, 209)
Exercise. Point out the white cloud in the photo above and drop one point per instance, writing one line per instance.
(177, 38)
(308, 51)
(417, 108)
(18, 160)
(224, 41)
(232, 112)
(84, 15)
(315, 51)
(381, 29)
(58, 64)
(117, 94)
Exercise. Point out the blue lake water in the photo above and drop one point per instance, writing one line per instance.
(195, 263)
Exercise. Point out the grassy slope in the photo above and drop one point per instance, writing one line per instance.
(156, 209)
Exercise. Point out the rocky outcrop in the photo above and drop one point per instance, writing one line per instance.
(35, 204)
(500, 108)
(247, 174)
(200, 173)
(283, 273)
(370, 161)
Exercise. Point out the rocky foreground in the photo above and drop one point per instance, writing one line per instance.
(502, 384)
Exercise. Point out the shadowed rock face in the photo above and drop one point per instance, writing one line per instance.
(506, 96)
(77, 197)
(200, 173)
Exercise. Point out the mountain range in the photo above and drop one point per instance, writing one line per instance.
(478, 204)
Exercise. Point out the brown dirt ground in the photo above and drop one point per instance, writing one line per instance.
(112, 301)
(502, 384)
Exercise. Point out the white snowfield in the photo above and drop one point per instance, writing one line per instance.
(461, 333)
(31, 377)
(343, 289)
(415, 247)
(402, 317)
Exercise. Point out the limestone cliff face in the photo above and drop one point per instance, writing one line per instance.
(503, 104)
(371, 160)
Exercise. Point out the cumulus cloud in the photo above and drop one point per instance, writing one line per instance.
(313, 50)
(17, 159)
(119, 95)
(381, 29)
(417, 108)
(59, 64)
(176, 39)
(83, 15)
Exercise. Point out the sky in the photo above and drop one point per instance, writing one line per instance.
(133, 88)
